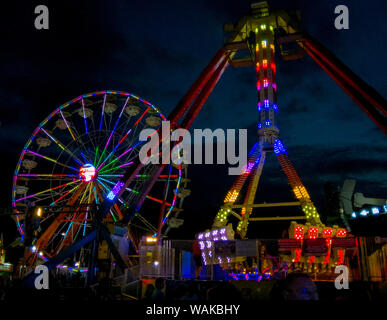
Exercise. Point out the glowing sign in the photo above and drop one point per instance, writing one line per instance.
(113, 193)
(87, 172)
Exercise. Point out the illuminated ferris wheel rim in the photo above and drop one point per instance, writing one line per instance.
(58, 111)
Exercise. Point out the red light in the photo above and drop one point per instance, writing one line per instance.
(273, 66)
(341, 232)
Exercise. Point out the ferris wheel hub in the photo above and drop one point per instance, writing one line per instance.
(88, 172)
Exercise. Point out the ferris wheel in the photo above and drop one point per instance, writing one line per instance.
(76, 156)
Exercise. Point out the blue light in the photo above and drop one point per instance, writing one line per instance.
(375, 210)
(267, 123)
(259, 125)
(353, 214)
(279, 147)
(275, 107)
(385, 208)
(364, 212)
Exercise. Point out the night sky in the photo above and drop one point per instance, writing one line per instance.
(157, 49)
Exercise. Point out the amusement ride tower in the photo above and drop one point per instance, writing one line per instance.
(256, 34)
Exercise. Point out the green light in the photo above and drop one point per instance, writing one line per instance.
(107, 165)
(95, 157)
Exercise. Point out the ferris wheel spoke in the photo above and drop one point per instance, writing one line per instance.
(44, 191)
(112, 132)
(141, 227)
(87, 191)
(130, 143)
(63, 147)
(84, 115)
(43, 175)
(103, 110)
(76, 137)
(50, 159)
(131, 150)
(115, 148)
(118, 167)
(64, 195)
(146, 223)
(67, 125)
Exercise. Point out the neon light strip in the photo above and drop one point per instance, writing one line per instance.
(138, 175)
(62, 147)
(67, 125)
(120, 166)
(84, 115)
(50, 159)
(111, 134)
(114, 218)
(61, 197)
(75, 213)
(84, 158)
(35, 194)
(103, 110)
(116, 159)
(95, 156)
(95, 195)
(115, 148)
(87, 212)
(141, 116)
(46, 175)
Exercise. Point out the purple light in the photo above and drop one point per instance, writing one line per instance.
(113, 193)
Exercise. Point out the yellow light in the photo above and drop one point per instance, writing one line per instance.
(151, 239)
(39, 212)
(263, 26)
